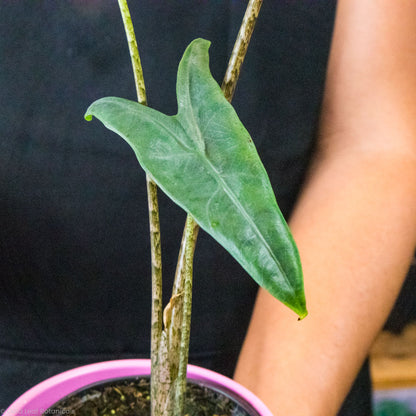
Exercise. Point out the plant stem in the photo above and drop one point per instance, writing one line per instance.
(155, 247)
(173, 351)
(134, 52)
(184, 270)
(153, 206)
(188, 248)
(240, 48)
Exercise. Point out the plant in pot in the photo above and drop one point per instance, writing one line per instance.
(204, 160)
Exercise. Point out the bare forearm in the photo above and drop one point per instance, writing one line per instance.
(353, 266)
(355, 222)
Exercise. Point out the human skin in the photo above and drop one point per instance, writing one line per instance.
(354, 223)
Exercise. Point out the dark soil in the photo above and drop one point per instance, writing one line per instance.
(132, 398)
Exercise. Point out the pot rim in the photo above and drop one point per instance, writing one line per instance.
(39, 398)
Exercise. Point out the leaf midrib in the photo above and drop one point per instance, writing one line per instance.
(236, 201)
(228, 190)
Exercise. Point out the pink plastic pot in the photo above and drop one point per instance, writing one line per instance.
(41, 397)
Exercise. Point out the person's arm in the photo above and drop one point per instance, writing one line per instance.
(355, 222)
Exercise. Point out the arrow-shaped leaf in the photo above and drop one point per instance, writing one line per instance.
(205, 160)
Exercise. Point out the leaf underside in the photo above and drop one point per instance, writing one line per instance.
(204, 159)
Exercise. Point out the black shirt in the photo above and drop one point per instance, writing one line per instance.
(74, 260)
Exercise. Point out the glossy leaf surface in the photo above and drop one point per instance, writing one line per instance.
(205, 160)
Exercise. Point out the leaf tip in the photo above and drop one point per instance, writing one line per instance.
(198, 47)
(89, 113)
(300, 308)
(201, 42)
(302, 315)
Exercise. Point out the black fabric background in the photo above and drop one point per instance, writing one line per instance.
(74, 259)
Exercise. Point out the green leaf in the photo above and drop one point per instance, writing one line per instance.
(205, 160)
